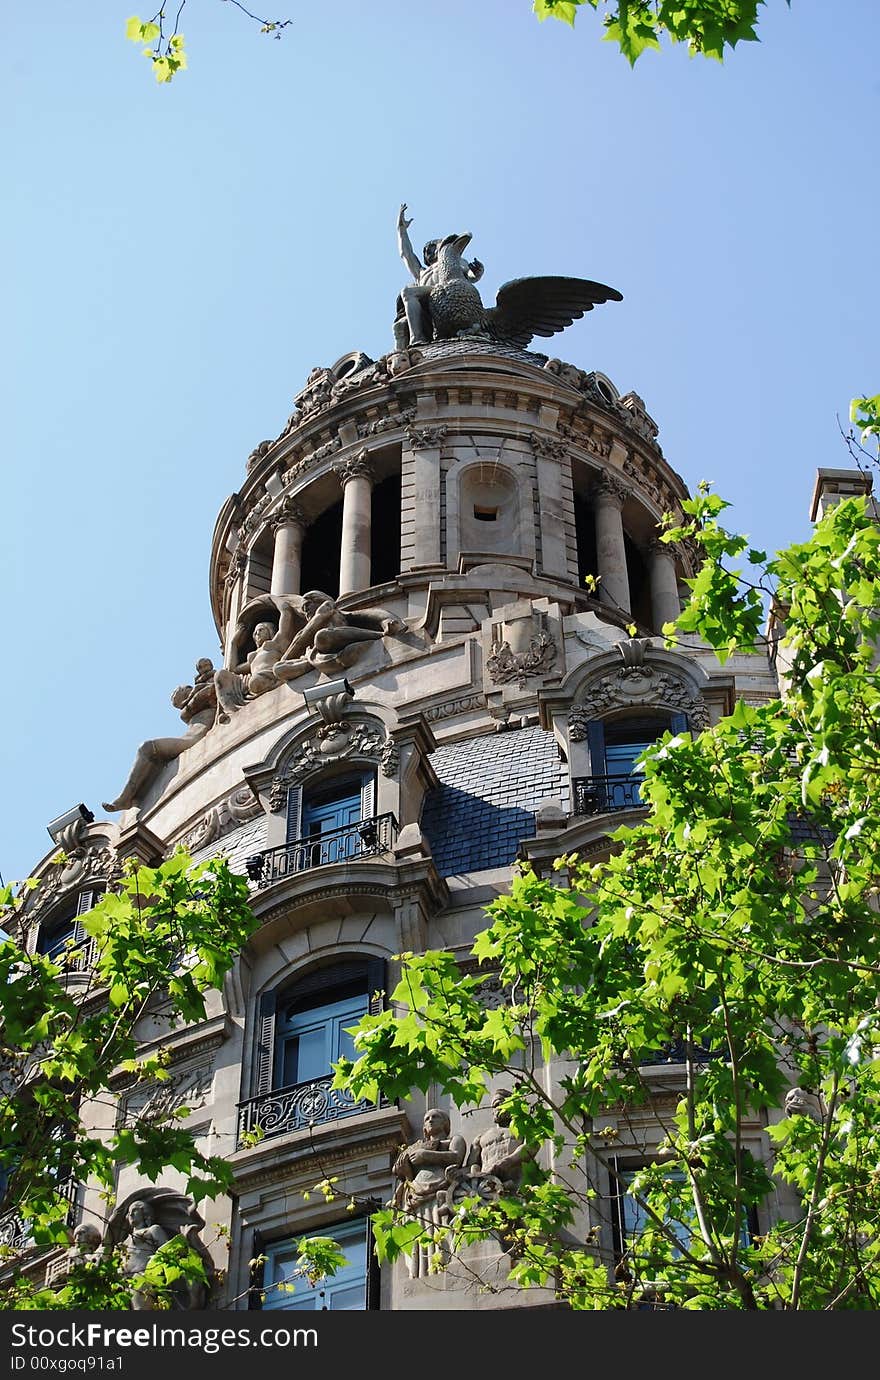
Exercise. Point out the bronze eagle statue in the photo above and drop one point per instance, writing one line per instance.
(443, 302)
(524, 307)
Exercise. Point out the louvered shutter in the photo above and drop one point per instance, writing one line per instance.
(257, 1273)
(368, 797)
(84, 903)
(596, 745)
(372, 1301)
(294, 813)
(376, 981)
(679, 723)
(266, 1043)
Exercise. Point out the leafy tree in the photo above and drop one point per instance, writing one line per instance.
(165, 46)
(737, 927)
(165, 937)
(706, 26)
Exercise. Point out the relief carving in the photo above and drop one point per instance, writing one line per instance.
(333, 742)
(633, 686)
(505, 665)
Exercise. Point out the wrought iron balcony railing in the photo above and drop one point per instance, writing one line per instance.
(365, 839)
(15, 1233)
(595, 795)
(294, 1109)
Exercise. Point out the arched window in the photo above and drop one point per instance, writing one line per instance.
(615, 746)
(62, 935)
(302, 1031)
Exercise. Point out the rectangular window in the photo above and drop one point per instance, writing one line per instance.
(284, 1286)
(310, 1041)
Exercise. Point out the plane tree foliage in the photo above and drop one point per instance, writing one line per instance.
(735, 930)
(707, 27)
(159, 941)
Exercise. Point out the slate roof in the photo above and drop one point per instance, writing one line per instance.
(485, 804)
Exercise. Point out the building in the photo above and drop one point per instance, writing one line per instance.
(421, 684)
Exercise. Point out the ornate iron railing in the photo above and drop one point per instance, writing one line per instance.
(595, 795)
(365, 839)
(284, 1110)
(15, 1234)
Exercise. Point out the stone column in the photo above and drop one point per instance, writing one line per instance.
(609, 497)
(289, 524)
(665, 605)
(356, 478)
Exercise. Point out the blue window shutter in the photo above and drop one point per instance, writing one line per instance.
(85, 901)
(596, 745)
(266, 1043)
(294, 812)
(679, 723)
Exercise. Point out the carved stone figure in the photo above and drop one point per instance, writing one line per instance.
(802, 1102)
(86, 1245)
(198, 705)
(256, 674)
(421, 1167)
(414, 323)
(422, 1171)
(444, 303)
(145, 1223)
(145, 1236)
(497, 1151)
(331, 640)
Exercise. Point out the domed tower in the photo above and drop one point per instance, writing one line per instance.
(426, 588)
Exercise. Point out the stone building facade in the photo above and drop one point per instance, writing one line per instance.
(453, 693)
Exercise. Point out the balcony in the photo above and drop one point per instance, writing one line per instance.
(597, 795)
(284, 1110)
(15, 1233)
(368, 838)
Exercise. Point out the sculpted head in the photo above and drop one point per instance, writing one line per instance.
(204, 666)
(139, 1214)
(313, 600)
(86, 1237)
(502, 1117)
(429, 253)
(262, 633)
(436, 1123)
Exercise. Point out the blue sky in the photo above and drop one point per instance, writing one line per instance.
(179, 258)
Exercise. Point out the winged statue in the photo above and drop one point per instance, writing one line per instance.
(443, 301)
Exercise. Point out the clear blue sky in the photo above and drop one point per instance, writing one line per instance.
(179, 258)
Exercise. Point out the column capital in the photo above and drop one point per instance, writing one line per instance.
(289, 514)
(357, 467)
(611, 491)
(426, 437)
(668, 549)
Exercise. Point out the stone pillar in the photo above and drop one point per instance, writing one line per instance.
(356, 479)
(665, 604)
(609, 496)
(289, 524)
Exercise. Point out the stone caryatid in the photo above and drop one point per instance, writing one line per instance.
(497, 1152)
(198, 706)
(144, 1223)
(422, 1171)
(443, 302)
